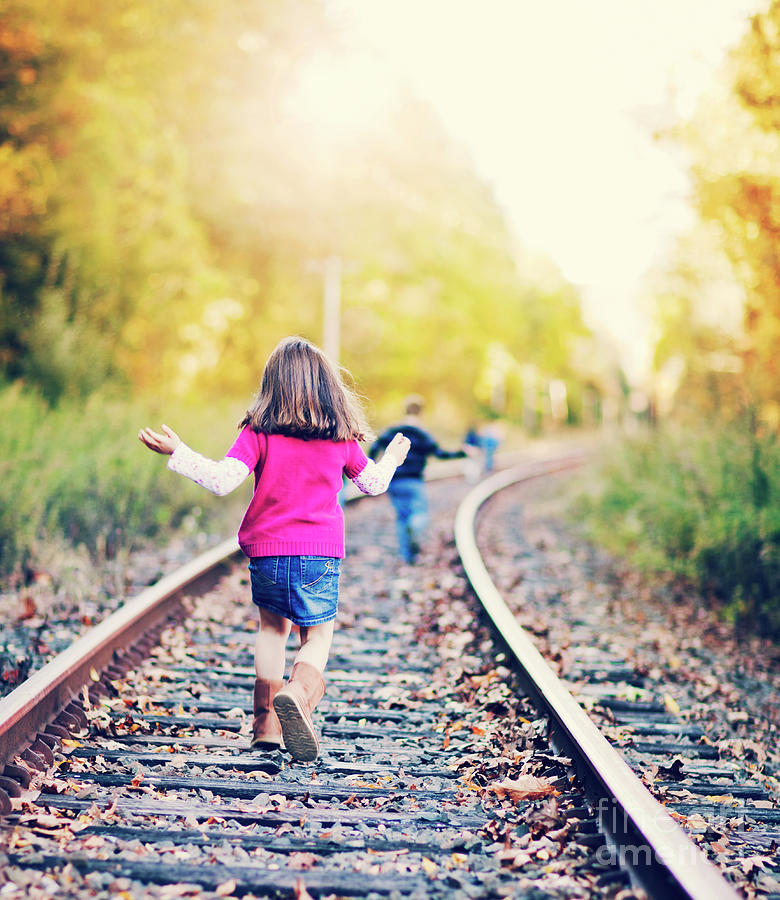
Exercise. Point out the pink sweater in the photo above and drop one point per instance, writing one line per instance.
(294, 510)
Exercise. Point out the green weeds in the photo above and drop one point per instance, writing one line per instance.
(705, 506)
(78, 472)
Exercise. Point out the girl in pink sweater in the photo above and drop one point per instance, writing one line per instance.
(298, 438)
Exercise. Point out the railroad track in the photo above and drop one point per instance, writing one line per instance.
(126, 761)
(725, 795)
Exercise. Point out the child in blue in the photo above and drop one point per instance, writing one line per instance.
(407, 490)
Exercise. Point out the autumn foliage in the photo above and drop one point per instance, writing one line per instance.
(700, 499)
(725, 351)
(164, 206)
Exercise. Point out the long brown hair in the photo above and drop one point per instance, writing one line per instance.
(303, 394)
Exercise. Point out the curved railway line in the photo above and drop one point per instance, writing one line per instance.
(125, 761)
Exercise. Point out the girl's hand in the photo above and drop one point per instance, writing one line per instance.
(398, 448)
(160, 443)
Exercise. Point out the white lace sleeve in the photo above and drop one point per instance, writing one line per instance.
(375, 478)
(218, 476)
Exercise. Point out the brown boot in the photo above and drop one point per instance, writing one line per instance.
(294, 705)
(266, 730)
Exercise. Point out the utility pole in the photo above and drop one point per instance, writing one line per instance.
(331, 313)
(331, 270)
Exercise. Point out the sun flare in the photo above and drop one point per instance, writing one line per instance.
(337, 99)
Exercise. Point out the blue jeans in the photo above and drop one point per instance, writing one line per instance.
(303, 589)
(411, 510)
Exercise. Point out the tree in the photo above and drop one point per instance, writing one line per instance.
(105, 252)
(735, 138)
(162, 205)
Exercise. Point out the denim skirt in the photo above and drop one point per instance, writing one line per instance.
(303, 589)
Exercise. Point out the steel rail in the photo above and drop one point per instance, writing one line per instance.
(51, 693)
(46, 705)
(659, 855)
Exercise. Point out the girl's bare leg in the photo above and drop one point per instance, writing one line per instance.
(315, 644)
(270, 645)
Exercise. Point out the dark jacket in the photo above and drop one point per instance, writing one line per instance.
(422, 446)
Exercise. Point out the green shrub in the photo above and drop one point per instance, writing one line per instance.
(22, 457)
(78, 472)
(701, 505)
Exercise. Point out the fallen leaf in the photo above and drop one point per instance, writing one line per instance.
(429, 867)
(226, 888)
(94, 841)
(28, 610)
(180, 890)
(545, 819)
(671, 705)
(751, 864)
(696, 821)
(514, 858)
(45, 820)
(524, 787)
(300, 892)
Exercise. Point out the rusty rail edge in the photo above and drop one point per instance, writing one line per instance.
(661, 858)
(46, 707)
(124, 637)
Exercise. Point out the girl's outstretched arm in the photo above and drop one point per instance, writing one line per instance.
(220, 477)
(161, 443)
(375, 477)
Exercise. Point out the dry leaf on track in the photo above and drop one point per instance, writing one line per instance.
(524, 787)
(300, 892)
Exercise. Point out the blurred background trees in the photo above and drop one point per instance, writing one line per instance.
(719, 309)
(700, 498)
(172, 176)
(163, 201)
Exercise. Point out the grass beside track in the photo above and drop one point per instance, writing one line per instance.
(702, 505)
(77, 476)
